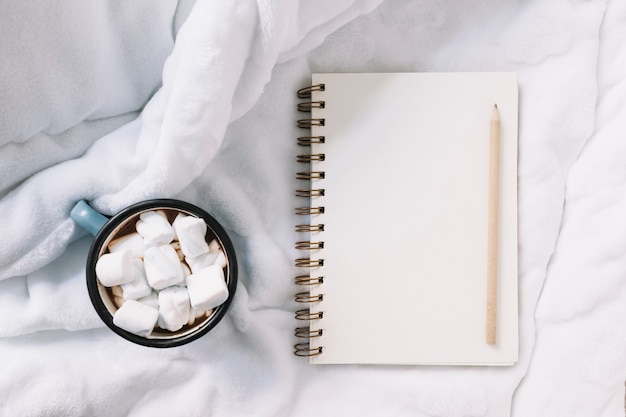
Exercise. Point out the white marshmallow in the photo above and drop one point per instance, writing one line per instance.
(195, 314)
(154, 227)
(162, 267)
(200, 262)
(154, 216)
(136, 317)
(138, 287)
(131, 241)
(186, 273)
(207, 288)
(176, 245)
(115, 268)
(191, 233)
(174, 308)
(220, 260)
(151, 300)
(215, 256)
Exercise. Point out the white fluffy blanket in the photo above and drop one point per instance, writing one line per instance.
(117, 102)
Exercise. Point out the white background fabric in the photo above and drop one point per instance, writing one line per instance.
(117, 102)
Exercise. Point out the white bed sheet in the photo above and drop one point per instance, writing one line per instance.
(116, 102)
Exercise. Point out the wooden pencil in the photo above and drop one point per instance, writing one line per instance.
(492, 232)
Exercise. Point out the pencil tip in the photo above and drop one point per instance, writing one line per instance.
(495, 105)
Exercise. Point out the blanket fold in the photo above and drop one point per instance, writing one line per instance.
(223, 57)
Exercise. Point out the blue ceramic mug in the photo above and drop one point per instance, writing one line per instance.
(107, 229)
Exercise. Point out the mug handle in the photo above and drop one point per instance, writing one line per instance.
(88, 218)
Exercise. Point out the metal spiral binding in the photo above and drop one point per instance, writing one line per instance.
(307, 106)
(318, 192)
(309, 210)
(309, 228)
(309, 263)
(306, 91)
(306, 315)
(311, 175)
(306, 297)
(308, 245)
(307, 280)
(307, 332)
(309, 157)
(303, 349)
(308, 140)
(306, 123)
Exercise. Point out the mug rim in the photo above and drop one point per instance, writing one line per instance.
(119, 218)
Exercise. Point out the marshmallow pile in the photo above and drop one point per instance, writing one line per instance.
(163, 274)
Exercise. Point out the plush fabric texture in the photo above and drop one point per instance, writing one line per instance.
(117, 102)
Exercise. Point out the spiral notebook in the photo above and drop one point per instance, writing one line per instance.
(393, 237)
